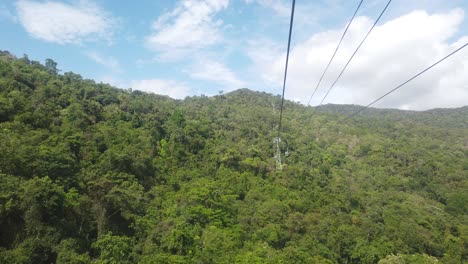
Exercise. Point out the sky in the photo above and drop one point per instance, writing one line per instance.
(194, 47)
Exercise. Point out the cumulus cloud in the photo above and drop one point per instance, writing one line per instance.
(394, 52)
(170, 88)
(191, 26)
(217, 72)
(64, 23)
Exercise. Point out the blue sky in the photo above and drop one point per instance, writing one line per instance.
(194, 47)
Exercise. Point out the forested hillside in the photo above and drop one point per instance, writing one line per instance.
(94, 174)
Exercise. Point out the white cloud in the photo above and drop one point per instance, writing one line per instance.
(64, 23)
(265, 59)
(209, 70)
(393, 53)
(191, 26)
(170, 88)
(109, 62)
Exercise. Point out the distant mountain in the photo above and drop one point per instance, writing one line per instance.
(442, 117)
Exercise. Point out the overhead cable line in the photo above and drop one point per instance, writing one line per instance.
(351, 58)
(409, 80)
(286, 66)
(332, 57)
(277, 140)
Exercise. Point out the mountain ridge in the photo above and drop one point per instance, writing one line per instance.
(331, 106)
(456, 117)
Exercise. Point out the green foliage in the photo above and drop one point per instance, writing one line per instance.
(68, 251)
(408, 259)
(114, 249)
(94, 174)
(51, 66)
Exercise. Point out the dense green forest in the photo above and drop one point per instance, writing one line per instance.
(94, 174)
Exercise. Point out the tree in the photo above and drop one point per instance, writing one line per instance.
(51, 66)
(114, 249)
